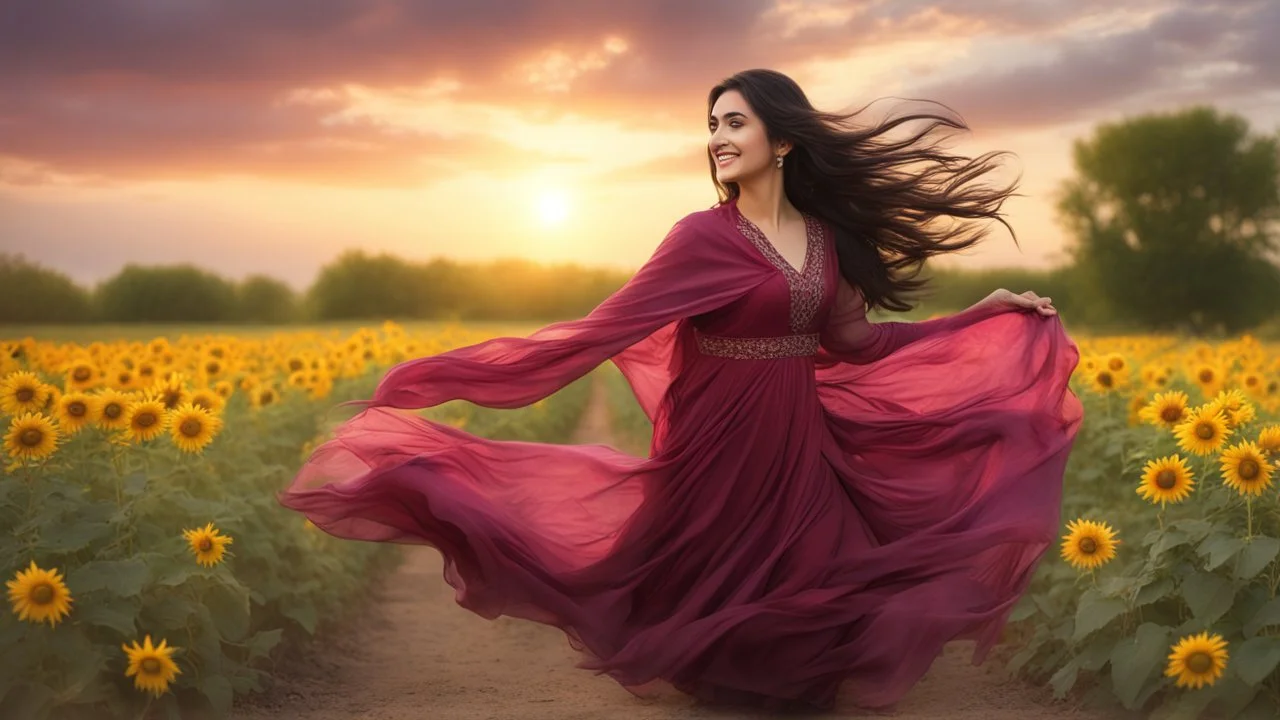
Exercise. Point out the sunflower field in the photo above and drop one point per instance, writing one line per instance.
(1162, 594)
(150, 571)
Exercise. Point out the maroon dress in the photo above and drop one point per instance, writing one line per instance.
(827, 500)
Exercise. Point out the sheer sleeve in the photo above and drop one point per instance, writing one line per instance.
(693, 270)
(849, 337)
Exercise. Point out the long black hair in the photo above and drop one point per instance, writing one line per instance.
(893, 203)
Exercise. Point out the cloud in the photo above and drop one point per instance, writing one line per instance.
(134, 89)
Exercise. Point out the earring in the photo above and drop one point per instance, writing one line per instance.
(779, 161)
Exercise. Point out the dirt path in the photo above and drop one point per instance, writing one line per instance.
(418, 656)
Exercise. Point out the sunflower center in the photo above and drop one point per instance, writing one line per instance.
(1205, 431)
(31, 437)
(150, 666)
(1116, 364)
(112, 410)
(171, 398)
(1248, 469)
(205, 545)
(42, 594)
(212, 368)
(266, 398)
(1104, 379)
(191, 427)
(82, 373)
(1167, 479)
(145, 420)
(77, 409)
(25, 394)
(1088, 546)
(1200, 663)
(202, 402)
(1206, 376)
(1170, 414)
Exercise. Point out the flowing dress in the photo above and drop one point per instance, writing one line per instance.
(826, 502)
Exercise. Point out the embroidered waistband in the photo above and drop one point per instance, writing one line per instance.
(757, 348)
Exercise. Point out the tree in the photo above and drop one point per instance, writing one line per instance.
(178, 293)
(263, 299)
(1174, 219)
(30, 293)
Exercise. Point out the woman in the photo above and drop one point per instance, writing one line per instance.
(827, 501)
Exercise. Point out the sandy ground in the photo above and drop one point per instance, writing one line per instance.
(416, 655)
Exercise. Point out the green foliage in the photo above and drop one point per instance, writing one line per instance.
(262, 299)
(166, 294)
(30, 294)
(1209, 564)
(111, 517)
(1179, 238)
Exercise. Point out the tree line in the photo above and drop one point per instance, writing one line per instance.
(1173, 220)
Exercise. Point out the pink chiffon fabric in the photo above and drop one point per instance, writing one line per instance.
(812, 521)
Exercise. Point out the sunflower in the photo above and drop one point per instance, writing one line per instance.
(223, 388)
(31, 436)
(1166, 410)
(113, 407)
(1269, 440)
(151, 667)
(263, 396)
(22, 392)
(1197, 660)
(209, 399)
(146, 420)
(207, 544)
(1245, 469)
(193, 427)
(1088, 544)
(1234, 406)
(1115, 362)
(171, 391)
(76, 410)
(1103, 381)
(1166, 480)
(82, 374)
(1207, 376)
(1203, 431)
(39, 595)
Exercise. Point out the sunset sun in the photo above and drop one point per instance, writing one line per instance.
(552, 206)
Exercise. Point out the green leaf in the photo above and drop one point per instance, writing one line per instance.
(1209, 596)
(302, 612)
(1256, 658)
(123, 578)
(218, 690)
(1195, 530)
(1267, 615)
(1156, 591)
(118, 615)
(73, 537)
(261, 644)
(229, 605)
(1064, 679)
(1167, 541)
(1218, 549)
(1133, 660)
(134, 485)
(1256, 556)
(1095, 612)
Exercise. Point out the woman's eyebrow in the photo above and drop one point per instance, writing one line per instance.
(730, 114)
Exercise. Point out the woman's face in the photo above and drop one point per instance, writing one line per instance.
(738, 145)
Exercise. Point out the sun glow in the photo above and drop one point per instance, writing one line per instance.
(553, 206)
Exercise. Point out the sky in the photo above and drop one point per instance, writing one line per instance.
(268, 136)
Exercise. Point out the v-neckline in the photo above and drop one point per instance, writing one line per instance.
(808, 250)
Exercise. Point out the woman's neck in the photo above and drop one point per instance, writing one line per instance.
(765, 204)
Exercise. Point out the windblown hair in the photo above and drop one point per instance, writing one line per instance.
(894, 203)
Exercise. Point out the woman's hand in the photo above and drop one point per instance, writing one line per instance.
(1026, 301)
